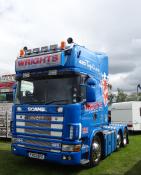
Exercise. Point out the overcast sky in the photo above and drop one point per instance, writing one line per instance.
(111, 26)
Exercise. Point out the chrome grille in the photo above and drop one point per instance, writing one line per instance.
(43, 143)
(37, 131)
(41, 149)
(36, 148)
(42, 125)
(40, 132)
(38, 142)
(53, 145)
(38, 118)
(48, 125)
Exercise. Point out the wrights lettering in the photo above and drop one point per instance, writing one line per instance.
(36, 109)
(46, 59)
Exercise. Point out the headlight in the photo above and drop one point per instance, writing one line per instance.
(71, 148)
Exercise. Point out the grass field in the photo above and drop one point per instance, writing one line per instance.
(126, 161)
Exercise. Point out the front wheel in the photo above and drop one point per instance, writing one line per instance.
(96, 151)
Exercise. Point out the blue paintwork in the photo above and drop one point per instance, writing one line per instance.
(83, 61)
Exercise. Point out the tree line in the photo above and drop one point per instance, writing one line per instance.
(121, 96)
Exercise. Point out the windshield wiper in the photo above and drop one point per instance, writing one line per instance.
(56, 101)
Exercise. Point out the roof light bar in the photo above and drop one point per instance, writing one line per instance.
(28, 52)
(55, 47)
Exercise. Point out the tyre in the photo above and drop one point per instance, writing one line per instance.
(119, 140)
(96, 151)
(125, 140)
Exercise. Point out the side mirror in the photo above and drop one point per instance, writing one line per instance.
(90, 91)
(91, 82)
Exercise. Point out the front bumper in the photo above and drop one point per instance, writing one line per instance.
(49, 156)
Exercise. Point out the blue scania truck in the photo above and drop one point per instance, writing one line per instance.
(60, 110)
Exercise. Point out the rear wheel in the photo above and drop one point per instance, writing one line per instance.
(125, 137)
(96, 151)
(119, 140)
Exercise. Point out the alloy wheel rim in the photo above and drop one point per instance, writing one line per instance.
(125, 138)
(118, 140)
(96, 151)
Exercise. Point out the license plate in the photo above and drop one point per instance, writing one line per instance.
(36, 156)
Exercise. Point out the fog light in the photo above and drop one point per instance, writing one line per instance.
(64, 158)
(69, 157)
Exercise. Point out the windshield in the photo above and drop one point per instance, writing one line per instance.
(56, 90)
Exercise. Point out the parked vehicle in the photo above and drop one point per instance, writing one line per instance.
(6, 101)
(127, 113)
(60, 112)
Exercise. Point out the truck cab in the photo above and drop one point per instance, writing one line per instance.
(60, 112)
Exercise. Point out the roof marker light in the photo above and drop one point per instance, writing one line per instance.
(28, 52)
(44, 49)
(53, 47)
(63, 45)
(36, 50)
(22, 53)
